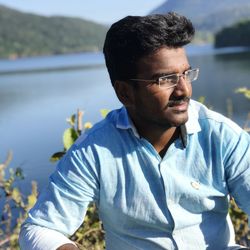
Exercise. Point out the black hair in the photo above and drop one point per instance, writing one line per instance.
(133, 37)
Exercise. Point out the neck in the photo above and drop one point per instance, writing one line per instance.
(159, 136)
(162, 140)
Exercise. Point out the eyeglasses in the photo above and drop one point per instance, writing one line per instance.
(170, 81)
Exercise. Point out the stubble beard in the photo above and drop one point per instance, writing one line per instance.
(178, 120)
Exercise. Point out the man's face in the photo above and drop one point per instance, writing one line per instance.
(154, 106)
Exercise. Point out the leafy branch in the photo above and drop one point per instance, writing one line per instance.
(15, 204)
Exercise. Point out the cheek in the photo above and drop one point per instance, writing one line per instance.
(164, 96)
(190, 90)
(153, 100)
(160, 100)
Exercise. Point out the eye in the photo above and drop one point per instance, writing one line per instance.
(187, 71)
(170, 78)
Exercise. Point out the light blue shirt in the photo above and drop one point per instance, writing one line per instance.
(179, 201)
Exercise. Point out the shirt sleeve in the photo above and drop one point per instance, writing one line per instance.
(238, 171)
(32, 237)
(63, 204)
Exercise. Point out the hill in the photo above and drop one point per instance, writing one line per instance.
(210, 16)
(24, 34)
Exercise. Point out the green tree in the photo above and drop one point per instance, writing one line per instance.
(236, 35)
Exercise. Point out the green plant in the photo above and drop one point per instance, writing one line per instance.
(15, 204)
(73, 132)
(246, 92)
(90, 236)
(240, 222)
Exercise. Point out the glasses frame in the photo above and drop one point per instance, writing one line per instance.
(159, 79)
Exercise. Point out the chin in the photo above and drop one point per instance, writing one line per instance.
(178, 121)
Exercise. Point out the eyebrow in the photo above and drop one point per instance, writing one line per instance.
(155, 76)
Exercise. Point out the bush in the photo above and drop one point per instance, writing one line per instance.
(14, 205)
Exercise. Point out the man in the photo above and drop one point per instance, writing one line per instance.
(162, 167)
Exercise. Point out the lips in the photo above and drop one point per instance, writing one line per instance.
(180, 105)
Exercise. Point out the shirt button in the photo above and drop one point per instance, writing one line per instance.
(195, 185)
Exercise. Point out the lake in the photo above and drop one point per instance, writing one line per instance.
(38, 94)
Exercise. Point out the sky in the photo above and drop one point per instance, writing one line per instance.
(101, 11)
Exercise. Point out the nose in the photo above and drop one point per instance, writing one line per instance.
(183, 86)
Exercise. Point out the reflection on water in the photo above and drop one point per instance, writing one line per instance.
(34, 106)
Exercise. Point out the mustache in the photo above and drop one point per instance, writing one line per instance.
(178, 101)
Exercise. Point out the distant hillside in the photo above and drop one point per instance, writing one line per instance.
(236, 35)
(23, 34)
(209, 16)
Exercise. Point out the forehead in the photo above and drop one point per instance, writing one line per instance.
(163, 61)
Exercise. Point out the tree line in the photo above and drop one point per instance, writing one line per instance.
(235, 35)
(23, 34)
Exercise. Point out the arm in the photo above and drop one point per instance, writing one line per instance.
(61, 207)
(32, 237)
(238, 172)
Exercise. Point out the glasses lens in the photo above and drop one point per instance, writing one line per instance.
(172, 80)
(192, 74)
(168, 81)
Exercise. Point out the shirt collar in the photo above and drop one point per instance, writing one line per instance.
(124, 122)
(192, 125)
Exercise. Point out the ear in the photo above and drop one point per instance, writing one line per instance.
(124, 92)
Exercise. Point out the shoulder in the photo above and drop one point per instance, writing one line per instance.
(102, 130)
(215, 131)
(211, 120)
